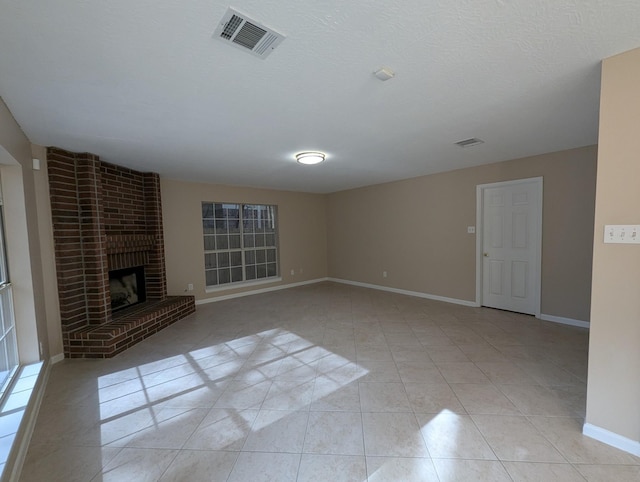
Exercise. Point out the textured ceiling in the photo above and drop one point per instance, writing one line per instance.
(143, 84)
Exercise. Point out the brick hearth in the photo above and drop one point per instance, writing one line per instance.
(107, 217)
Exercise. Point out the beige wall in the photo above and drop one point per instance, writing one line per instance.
(416, 230)
(301, 225)
(613, 394)
(23, 239)
(45, 230)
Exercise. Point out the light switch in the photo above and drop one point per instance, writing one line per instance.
(622, 233)
(471, 229)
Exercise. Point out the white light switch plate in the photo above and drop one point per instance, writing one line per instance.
(622, 233)
(471, 229)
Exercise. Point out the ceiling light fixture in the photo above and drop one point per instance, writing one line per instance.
(310, 157)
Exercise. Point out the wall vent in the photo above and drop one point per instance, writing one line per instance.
(473, 141)
(240, 31)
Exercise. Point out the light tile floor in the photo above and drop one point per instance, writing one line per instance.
(329, 383)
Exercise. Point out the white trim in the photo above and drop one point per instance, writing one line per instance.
(417, 294)
(611, 438)
(257, 292)
(26, 426)
(242, 284)
(565, 321)
(479, 235)
(56, 358)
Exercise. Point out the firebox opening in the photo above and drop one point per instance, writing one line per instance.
(127, 287)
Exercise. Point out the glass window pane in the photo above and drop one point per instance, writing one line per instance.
(209, 243)
(207, 210)
(261, 271)
(271, 269)
(249, 241)
(268, 228)
(211, 277)
(221, 226)
(5, 321)
(236, 258)
(236, 274)
(4, 365)
(260, 256)
(223, 260)
(270, 240)
(4, 274)
(222, 241)
(250, 257)
(8, 344)
(231, 211)
(234, 226)
(224, 276)
(271, 255)
(250, 272)
(247, 225)
(7, 349)
(219, 210)
(210, 261)
(208, 227)
(234, 241)
(259, 239)
(234, 218)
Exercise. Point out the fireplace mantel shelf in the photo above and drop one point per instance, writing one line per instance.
(123, 243)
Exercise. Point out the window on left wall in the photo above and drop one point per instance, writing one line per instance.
(240, 243)
(8, 342)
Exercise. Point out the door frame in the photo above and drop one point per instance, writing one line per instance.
(480, 188)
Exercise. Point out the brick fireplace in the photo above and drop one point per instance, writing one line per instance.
(106, 218)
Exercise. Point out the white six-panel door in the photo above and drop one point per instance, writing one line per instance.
(511, 224)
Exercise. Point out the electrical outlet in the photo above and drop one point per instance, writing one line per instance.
(384, 274)
(190, 287)
(293, 272)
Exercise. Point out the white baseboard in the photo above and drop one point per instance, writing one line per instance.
(565, 321)
(259, 291)
(57, 358)
(611, 438)
(406, 292)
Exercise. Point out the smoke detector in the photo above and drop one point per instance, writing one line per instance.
(240, 31)
(384, 73)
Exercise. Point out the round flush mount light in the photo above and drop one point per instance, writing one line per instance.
(310, 157)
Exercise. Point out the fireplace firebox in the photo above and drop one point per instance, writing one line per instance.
(127, 287)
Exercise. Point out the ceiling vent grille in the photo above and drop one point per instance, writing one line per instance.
(473, 141)
(240, 31)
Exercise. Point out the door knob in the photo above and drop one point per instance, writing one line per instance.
(486, 255)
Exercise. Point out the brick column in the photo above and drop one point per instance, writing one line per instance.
(155, 272)
(94, 252)
(68, 245)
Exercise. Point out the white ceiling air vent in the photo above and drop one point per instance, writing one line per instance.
(240, 31)
(473, 141)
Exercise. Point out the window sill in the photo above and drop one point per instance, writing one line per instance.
(15, 408)
(242, 284)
